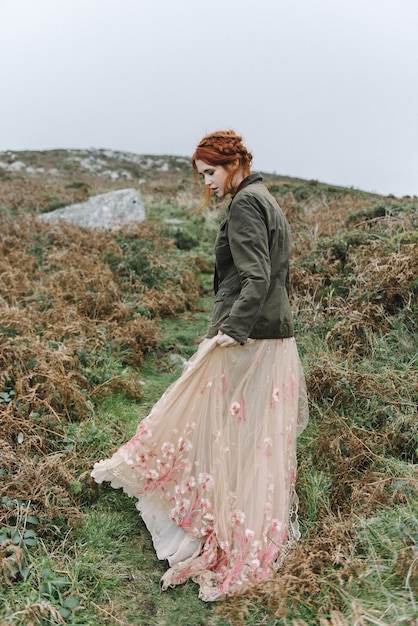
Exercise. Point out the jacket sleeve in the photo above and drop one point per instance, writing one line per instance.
(249, 243)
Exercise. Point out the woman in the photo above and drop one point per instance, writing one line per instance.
(213, 466)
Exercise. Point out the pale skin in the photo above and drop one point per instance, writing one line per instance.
(214, 177)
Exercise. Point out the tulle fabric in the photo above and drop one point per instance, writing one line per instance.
(213, 466)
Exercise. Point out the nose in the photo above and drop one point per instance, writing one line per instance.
(207, 181)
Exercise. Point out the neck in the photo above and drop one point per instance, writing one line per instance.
(237, 180)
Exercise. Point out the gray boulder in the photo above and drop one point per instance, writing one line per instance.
(108, 210)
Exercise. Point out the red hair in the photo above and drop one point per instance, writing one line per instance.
(224, 148)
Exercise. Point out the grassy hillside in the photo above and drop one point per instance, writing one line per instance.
(94, 326)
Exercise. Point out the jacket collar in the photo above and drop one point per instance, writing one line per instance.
(252, 178)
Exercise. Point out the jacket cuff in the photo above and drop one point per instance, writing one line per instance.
(232, 332)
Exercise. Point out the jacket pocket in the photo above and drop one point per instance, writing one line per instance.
(228, 289)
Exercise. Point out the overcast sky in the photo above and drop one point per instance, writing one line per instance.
(320, 89)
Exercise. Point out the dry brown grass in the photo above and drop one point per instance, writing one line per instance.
(62, 308)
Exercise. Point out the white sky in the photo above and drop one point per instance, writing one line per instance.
(320, 89)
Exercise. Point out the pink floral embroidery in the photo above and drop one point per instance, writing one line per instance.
(206, 481)
(235, 408)
(206, 386)
(167, 449)
(216, 436)
(183, 507)
(239, 410)
(224, 384)
(238, 517)
(184, 445)
(205, 503)
(185, 465)
(235, 548)
(180, 490)
(144, 432)
(268, 442)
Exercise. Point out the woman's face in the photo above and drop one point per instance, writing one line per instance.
(214, 177)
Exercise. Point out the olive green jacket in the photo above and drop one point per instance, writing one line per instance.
(252, 267)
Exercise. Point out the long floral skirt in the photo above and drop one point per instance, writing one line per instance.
(213, 466)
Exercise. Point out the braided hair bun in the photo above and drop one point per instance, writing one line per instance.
(222, 147)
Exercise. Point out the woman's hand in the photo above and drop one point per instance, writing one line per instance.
(225, 341)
